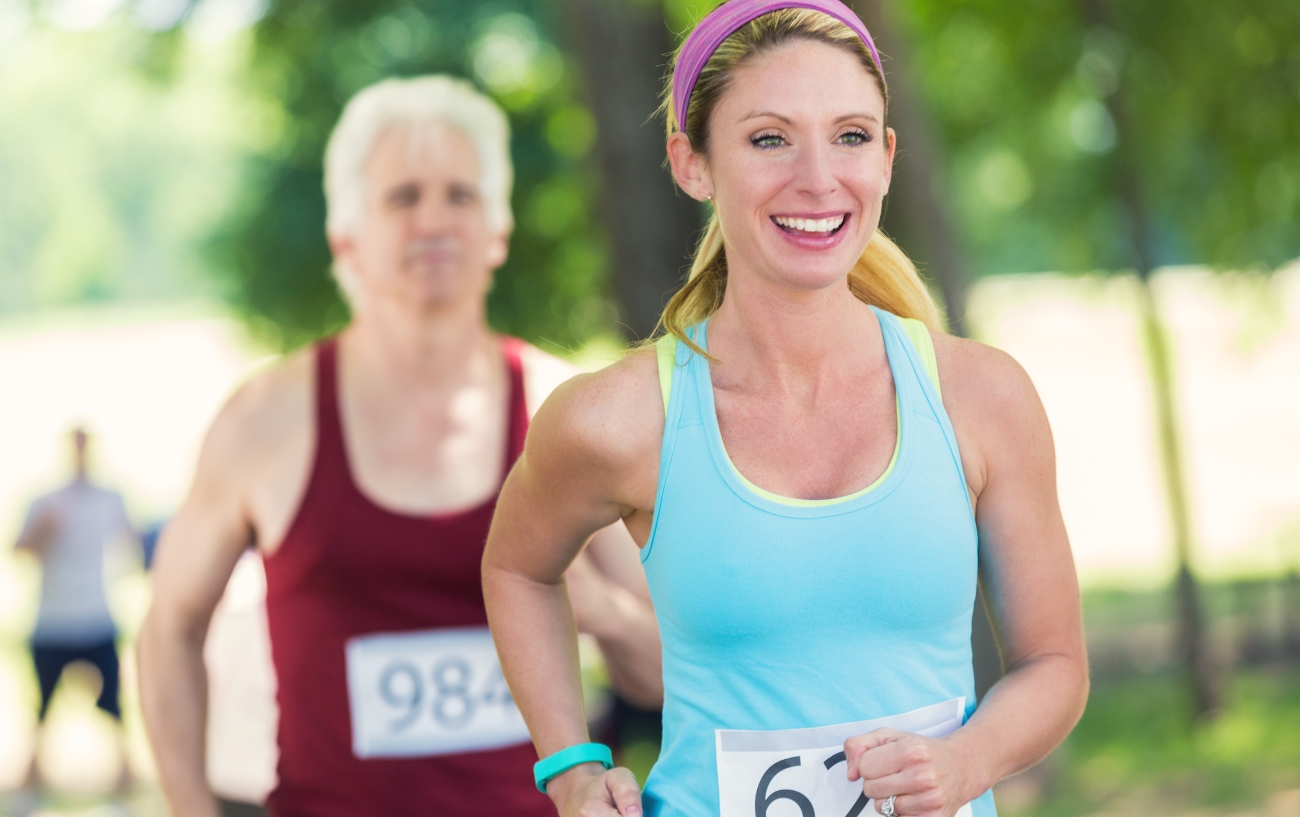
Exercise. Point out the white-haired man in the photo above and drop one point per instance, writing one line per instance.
(366, 471)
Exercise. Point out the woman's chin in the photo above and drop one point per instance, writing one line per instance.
(810, 280)
(812, 271)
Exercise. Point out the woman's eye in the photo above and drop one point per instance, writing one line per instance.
(767, 140)
(855, 137)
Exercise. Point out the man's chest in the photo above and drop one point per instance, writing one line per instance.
(423, 466)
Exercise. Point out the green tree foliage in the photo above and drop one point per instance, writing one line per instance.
(1021, 94)
(117, 156)
(309, 58)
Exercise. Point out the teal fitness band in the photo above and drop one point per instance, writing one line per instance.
(557, 764)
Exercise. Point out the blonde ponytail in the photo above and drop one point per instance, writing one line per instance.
(886, 278)
(883, 277)
(702, 293)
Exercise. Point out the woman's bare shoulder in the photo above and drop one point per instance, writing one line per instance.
(991, 401)
(612, 417)
(977, 370)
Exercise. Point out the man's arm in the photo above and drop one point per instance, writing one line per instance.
(603, 586)
(195, 557)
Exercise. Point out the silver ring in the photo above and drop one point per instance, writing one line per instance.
(887, 808)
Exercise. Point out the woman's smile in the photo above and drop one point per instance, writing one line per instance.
(812, 231)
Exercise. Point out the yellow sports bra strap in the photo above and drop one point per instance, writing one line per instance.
(920, 337)
(666, 353)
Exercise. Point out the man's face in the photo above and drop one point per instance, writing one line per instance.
(424, 239)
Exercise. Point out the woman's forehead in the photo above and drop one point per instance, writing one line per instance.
(805, 77)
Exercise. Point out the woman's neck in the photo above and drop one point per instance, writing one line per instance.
(791, 339)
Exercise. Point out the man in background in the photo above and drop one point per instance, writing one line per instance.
(365, 471)
(68, 531)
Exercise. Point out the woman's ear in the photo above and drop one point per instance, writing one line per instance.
(890, 144)
(689, 169)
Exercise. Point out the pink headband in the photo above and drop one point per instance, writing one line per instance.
(726, 20)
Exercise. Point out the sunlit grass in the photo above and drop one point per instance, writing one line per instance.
(1138, 750)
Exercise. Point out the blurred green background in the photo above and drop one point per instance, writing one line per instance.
(1138, 161)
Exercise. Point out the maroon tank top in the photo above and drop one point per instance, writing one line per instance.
(348, 568)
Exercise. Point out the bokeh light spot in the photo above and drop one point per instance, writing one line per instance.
(571, 131)
(1003, 180)
(1091, 127)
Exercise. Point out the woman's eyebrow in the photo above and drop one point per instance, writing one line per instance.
(868, 116)
(756, 114)
(787, 120)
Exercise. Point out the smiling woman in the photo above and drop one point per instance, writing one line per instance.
(883, 275)
(829, 479)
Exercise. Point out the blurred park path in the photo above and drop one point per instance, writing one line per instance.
(1236, 347)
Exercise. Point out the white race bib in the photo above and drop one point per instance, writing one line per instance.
(431, 692)
(802, 772)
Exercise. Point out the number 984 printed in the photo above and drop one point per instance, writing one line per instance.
(429, 692)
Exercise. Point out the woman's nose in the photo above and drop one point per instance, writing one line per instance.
(815, 174)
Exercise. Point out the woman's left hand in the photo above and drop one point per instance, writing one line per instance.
(928, 776)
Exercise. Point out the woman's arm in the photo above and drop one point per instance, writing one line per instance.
(607, 586)
(1028, 574)
(590, 460)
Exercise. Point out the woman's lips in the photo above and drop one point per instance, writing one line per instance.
(812, 233)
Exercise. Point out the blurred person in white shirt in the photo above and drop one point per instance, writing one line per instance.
(68, 531)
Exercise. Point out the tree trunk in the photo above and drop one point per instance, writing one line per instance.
(916, 215)
(623, 46)
(1193, 640)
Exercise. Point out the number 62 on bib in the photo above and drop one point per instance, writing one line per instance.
(802, 772)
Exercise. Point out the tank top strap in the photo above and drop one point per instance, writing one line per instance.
(331, 450)
(517, 428)
(916, 388)
(681, 407)
(910, 371)
(904, 362)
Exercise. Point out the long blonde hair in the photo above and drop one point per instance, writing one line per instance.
(883, 276)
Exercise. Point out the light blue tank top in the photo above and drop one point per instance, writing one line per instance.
(778, 613)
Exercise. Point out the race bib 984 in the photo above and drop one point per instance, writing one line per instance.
(802, 772)
(431, 692)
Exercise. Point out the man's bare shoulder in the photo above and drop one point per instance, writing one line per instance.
(270, 412)
(614, 415)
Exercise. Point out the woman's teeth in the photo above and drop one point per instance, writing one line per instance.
(810, 225)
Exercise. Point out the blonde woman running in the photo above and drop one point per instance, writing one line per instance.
(817, 475)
